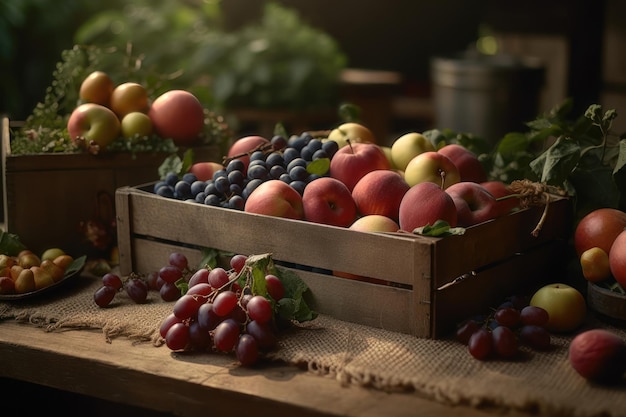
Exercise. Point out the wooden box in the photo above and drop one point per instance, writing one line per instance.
(421, 296)
(47, 197)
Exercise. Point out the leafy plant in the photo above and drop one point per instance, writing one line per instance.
(581, 155)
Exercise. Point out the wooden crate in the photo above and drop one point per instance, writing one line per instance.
(47, 196)
(499, 258)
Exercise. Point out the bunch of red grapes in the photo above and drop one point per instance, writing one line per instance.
(218, 313)
(504, 331)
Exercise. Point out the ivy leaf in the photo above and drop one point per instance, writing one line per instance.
(556, 164)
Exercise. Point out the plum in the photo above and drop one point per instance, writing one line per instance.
(598, 355)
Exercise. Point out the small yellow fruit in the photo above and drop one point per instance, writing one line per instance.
(64, 261)
(595, 264)
(28, 259)
(565, 305)
(53, 269)
(42, 277)
(25, 282)
(52, 253)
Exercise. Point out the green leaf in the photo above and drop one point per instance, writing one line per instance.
(76, 265)
(292, 305)
(512, 143)
(439, 228)
(172, 163)
(319, 166)
(209, 258)
(10, 244)
(556, 164)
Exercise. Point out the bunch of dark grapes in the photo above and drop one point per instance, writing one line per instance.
(504, 331)
(165, 281)
(218, 314)
(282, 159)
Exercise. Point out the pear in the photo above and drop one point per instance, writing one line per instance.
(64, 261)
(25, 282)
(6, 260)
(55, 270)
(43, 278)
(15, 271)
(28, 259)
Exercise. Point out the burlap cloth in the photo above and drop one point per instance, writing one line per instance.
(539, 383)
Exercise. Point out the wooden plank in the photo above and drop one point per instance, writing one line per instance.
(192, 385)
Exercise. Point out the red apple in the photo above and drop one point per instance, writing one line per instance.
(178, 115)
(327, 200)
(93, 122)
(499, 189)
(275, 198)
(469, 166)
(474, 204)
(424, 204)
(245, 145)
(617, 258)
(380, 192)
(433, 167)
(375, 223)
(204, 170)
(350, 163)
(599, 228)
(598, 355)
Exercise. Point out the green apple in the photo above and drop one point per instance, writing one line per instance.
(93, 122)
(433, 167)
(407, 147)
(136, 123)
(565, 305)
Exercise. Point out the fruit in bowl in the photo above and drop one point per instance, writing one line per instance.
(599, 228)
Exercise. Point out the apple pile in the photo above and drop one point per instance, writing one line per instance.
(108, 111)
(345, 179)
(600, 243)
(27, 272)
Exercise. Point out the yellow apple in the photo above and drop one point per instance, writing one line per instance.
(136, 123)
(353, 132)
(565, 305)
(407, 147)
(431, 166)
(96, 88)
(129, 97)
(375, 223)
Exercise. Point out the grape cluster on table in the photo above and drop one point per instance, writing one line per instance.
(213, 313)
(282, 159)
(502, 333)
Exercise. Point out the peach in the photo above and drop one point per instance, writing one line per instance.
(275, 198)
(178, 115)
(598, 355)
(328, 201)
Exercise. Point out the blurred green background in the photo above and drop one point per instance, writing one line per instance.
(232, 52)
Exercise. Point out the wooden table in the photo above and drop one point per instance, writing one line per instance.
(160, 381)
